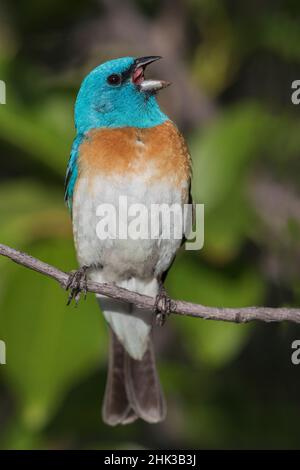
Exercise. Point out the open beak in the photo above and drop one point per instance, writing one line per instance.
(138, 78)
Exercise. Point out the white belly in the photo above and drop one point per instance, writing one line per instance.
(121, 259)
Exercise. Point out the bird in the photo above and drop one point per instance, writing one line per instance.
(126, 146)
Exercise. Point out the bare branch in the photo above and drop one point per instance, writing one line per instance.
(179, 307)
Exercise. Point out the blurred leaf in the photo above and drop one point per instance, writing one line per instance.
(30, 211)
(223, 151)
(28, 130)
(227, 227)
(49, 347)
(214, 343)
(281, 33)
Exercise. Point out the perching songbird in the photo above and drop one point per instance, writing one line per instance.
(125, 146)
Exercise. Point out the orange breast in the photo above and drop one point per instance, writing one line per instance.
(129, 151)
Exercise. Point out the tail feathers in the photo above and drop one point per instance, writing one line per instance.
(116, 407)
(143, 387)
(133, 389)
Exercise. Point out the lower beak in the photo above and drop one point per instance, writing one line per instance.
(153, 85)
(150, 86)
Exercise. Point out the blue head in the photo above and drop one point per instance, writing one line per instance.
(115, 94)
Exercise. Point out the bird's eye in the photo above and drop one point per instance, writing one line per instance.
(114, 79)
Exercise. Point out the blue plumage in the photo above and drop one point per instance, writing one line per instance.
(72, 171)
(100, 104)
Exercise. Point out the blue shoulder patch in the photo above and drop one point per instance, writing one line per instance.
(72, 171)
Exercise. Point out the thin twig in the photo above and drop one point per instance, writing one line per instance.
(236, 315)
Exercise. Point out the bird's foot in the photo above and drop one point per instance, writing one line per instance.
(163, 306)
(77, 284)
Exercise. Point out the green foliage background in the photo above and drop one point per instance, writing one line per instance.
(232, 64)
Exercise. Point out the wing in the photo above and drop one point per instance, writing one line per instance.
(190, 201)
(187, 157)
(72, 171)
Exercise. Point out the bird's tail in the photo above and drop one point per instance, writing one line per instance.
(133, 389)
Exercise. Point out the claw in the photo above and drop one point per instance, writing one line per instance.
(77, 283)
(163, 306)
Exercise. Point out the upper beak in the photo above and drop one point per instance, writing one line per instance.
(137, 75)
(144, 61)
